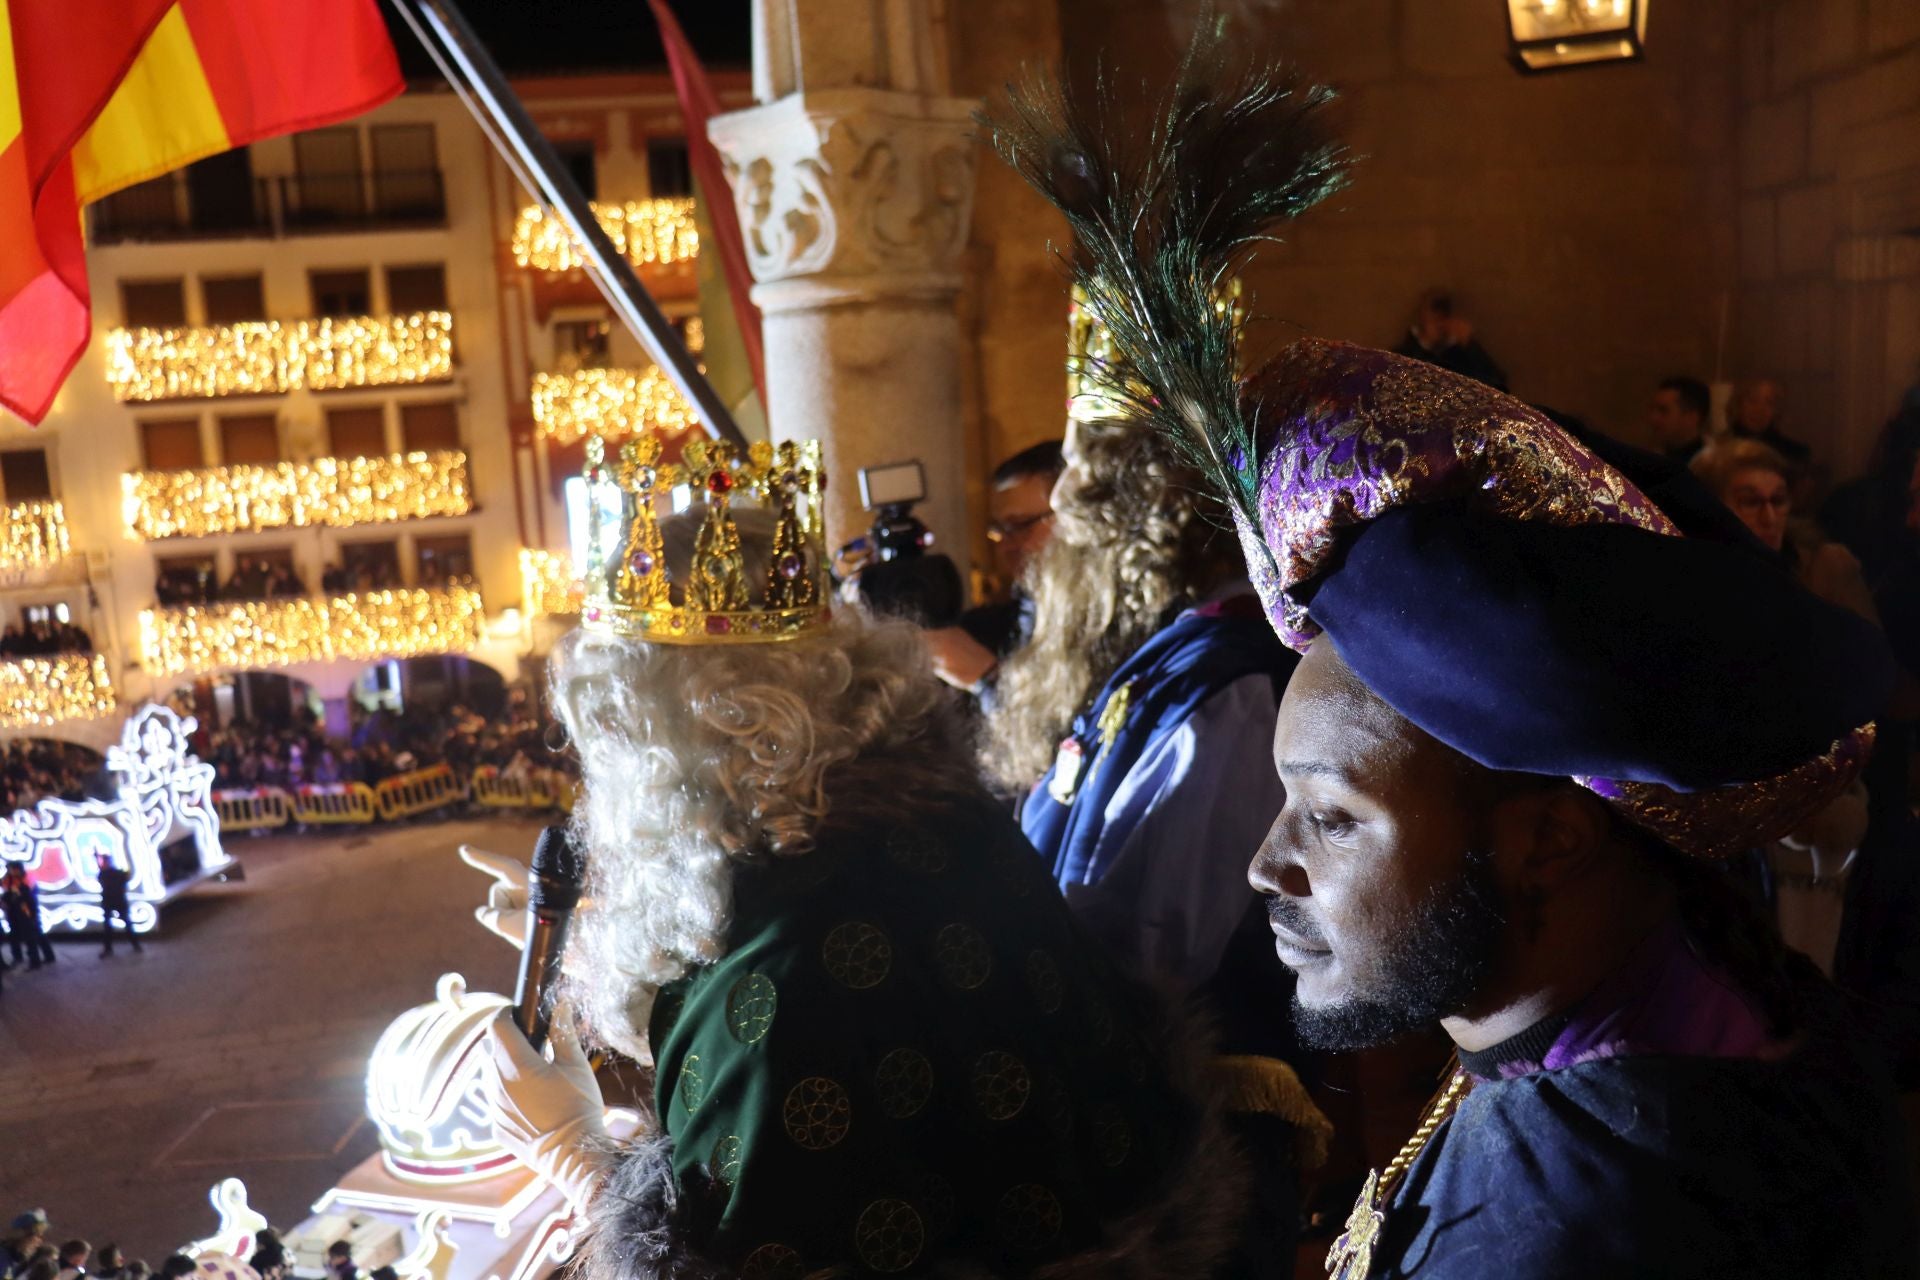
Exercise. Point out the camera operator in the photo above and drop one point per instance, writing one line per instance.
(889, 570)
(1020, 520)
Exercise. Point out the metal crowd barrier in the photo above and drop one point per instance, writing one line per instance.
(402, 796)
(335, 803)
(421, 791)
(252, 808)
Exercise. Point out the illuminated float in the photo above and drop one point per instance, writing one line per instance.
(160, 825)
(441, 1182)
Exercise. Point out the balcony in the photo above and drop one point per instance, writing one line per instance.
(168, 207)
(608, 402)
(259, 634)
(269, 357)
(34, 542)
(331, 492)
(649, 232)
(36, 692)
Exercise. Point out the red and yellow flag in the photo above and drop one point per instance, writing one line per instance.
(96, 95)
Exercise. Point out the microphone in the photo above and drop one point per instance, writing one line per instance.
(552, 893)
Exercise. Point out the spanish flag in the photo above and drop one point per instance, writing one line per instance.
(96, 95)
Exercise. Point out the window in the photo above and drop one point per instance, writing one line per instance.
(149, 209)
(342, 293)
(581, 342)
(250, 438)
(668, 172)
(427, 427)
(444, 558)
(421, 288)
(370, 566)
(186, 580)
(232, 299)
(24, 475)
(220, 192)
(358, 432)
(577, 158)
(52, 611)
(172, 444)
(327, 185)
(154, 304)
(406, 173)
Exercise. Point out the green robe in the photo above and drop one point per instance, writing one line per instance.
(910, 1054)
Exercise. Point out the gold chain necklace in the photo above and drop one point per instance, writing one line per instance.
(1352, 1254)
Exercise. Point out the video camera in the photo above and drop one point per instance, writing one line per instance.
(898, 576)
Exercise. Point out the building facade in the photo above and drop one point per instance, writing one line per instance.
(336, 385)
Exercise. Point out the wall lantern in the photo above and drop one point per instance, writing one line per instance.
(1548, 35)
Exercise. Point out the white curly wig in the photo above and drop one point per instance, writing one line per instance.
(697, 756)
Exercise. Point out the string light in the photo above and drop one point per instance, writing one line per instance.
(267, 357)
(44, 691)
(334, 492)
(608, 402)
(35, 537)
(648, 232)
(276, 633)
(547, 584)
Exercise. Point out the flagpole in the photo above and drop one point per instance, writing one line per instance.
(474, 75)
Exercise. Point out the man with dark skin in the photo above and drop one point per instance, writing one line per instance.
(1549, 687)
(1388, 869)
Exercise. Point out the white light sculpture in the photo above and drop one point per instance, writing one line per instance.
(165, 794)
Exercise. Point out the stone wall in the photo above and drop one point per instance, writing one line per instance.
(1828, 161)
(1014, 309)
(1584, 219)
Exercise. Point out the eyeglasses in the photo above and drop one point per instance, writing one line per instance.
(1000, 530)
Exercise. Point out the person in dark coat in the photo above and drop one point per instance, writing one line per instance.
(20, 903)
(114, 882)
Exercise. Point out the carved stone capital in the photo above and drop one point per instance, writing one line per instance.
(850, 194)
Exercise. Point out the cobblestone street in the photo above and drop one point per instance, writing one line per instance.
(236, 1044)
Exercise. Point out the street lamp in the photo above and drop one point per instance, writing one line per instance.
(1547, 35)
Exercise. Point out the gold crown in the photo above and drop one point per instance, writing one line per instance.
(628, 590)
(1093, 372)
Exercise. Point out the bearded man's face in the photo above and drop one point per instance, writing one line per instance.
(1379, 877)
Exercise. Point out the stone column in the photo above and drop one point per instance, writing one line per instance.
(854, 185)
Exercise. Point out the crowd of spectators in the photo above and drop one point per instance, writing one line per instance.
(248, 754)
(42, 637)
(253, 578)
(33, 769)
(28, 1253)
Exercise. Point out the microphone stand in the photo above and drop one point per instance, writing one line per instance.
(474, 75)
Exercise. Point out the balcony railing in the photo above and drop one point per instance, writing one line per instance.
(35, 538)
(297, 204)
(607, 402)
(368, 627)
(43, 691)
(649, 232)
(332, 492)
(268, 357)
(311, 202)
(547, 583)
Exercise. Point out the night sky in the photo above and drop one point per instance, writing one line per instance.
(528, 37)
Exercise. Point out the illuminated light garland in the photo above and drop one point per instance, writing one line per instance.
(42, 691)
(333, 492)
(648, 232)
(277, 633)
(268, 357)
(35, 538)
(608, 402)
(547, 584)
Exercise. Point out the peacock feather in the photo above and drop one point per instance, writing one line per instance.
(1164, 215)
